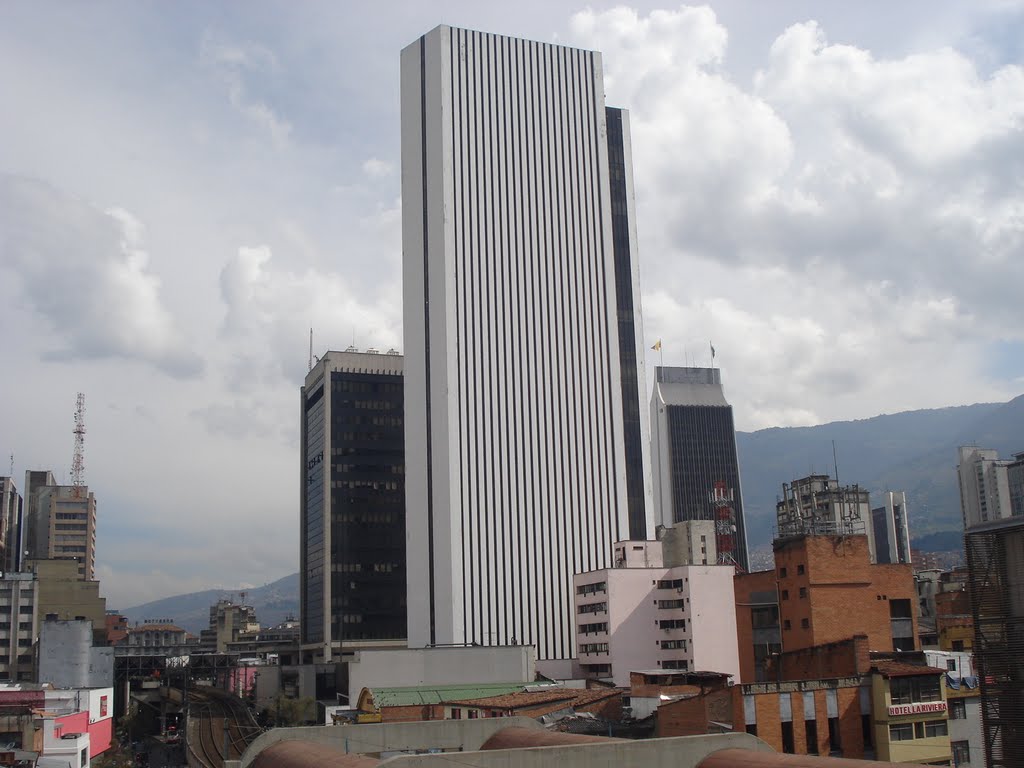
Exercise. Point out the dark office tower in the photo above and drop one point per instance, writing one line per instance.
(636, 434)
(11, 532)
(696, 469)
(352, 503)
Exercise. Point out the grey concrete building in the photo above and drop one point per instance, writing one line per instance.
(11, 531)
(19, 627)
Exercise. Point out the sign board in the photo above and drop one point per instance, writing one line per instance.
(917, 709)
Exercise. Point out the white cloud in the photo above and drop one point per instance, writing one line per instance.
(827, 226)
(85, 273)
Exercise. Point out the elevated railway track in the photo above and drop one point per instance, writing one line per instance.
(219, 727)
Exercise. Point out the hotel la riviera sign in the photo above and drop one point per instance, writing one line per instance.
(917, 709)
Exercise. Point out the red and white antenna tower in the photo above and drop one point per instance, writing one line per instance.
(78, 462)
(725, 524)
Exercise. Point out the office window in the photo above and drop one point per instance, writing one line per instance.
(901, 732)
(961, 753)
(934, 728)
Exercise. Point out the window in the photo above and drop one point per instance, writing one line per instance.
(752, 729)
(805, 623)
(782, 573)
(590, 589)
(586, 648)
(811, 729)
(834, 747)
(933, 728)
(803, 592)
(906, 690)
(593, 608)
(799, 570)
(662, 604)
(787, 738)
(867, 731)
(951, 665)
(456, 713)
(958, 645)
(957, 709)
(473, 714)
(899, 609)
(597, 627)
(785, 594)
(785, 624)
(675, 664)
(672, 624)
(901, 732)
(961, 753)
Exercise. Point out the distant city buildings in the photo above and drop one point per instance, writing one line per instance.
(890, 531)
(522, 333)
(696, 467)
(990, 488)
(11, 530)
(19, 625)
(352, 544)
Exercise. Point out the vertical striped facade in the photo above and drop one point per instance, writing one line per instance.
(515, 471)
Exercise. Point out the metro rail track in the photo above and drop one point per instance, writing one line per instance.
(219, 727)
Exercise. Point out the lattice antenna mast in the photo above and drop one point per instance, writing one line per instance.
(78, 462)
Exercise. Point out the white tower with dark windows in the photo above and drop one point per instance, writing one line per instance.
(527, 457)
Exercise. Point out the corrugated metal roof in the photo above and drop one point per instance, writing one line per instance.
(438, 694)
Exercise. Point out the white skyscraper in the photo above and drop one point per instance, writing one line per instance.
(522, 334)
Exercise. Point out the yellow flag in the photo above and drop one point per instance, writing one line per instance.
(657, 346)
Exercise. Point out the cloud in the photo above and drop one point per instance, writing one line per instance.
(377, 169)
(85, 272)
(844, 226)
(270, 310)
(241, 67)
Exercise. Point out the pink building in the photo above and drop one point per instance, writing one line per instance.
(70, 725)
(642, 615)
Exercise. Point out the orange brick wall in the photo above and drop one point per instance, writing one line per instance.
(845, 593)
(769, 724)
(843, 659)
(744, 585)
(412, 713)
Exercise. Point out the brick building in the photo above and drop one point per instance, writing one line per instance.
(809, 599)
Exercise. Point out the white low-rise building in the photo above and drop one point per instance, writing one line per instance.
(644, 615)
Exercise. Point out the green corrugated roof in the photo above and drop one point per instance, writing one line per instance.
(437, 694)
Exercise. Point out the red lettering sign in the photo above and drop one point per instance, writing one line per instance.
(917, 709)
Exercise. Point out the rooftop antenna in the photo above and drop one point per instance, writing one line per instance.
(310, 350)
(835, 461)
(78, 461)
(12, 467)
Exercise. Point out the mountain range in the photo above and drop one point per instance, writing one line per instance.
(913, 451)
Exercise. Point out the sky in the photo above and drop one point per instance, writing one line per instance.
(830, 193)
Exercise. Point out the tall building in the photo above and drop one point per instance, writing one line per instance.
(11, 528)
(19, 625)
(352, 502)
(522, 336)
(60, 522)
(995, 563)
(890, 529)
(990, 488)
(696, 467)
